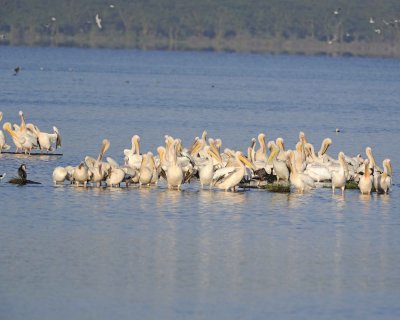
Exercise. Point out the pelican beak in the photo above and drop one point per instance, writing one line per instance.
(7, 127)
(137, 146)
(273, 153)
(215, 151)
(196, 147)
(247, 162)
(389, 167)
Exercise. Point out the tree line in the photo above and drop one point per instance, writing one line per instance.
(237, 25)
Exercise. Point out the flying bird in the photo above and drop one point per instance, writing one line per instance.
(17, 70)
(98, 21)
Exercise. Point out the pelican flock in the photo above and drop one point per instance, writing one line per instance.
(27, 136)
(302, 168)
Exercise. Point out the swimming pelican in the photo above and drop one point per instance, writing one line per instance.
(229, 177)
(339, 177)
(384, 180)
(365, 183)
(300, 181)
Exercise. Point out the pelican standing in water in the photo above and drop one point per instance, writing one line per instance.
(383, 182)
(365, 183)
(59, 175)
(3, 144)
(45, 139)
(229, 177)
(300, 181)
(339, 177)
(81, 174)
(174, 172)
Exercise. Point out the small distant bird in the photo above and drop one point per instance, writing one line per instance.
(2, 176)
(53, 19)
(22, 172)
(337, 11)
(371, 20)
(337, 130)
(17, 70)
(378, 31)
(112, 6)
(98, 21)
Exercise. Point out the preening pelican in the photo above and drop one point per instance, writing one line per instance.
(229, 177)
(81, 174)
(22, 140)
(206, 170)
(339, 177)
(59, 175)
(365, 183)
(133, 157)
(46, 139)
(147, 169)
(115, 174)
(383, 181)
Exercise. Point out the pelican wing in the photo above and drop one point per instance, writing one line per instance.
(223, 173)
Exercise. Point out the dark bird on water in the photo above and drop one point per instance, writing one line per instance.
(22, 177)
(22, 172)
(17, 70)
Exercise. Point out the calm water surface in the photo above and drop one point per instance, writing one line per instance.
(152, 253)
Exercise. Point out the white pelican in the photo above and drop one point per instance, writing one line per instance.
(115, 174)
(22, 140)
(206, 170)
(133, 158)
(280, 167)
(300, 181)
(59, 175)
(81, 174)
(3, 144)
(282, 151)
(365, 183)
(251, 153)
(383, 181)
(339, 177)
(229, 177)
(174, 172)
(45, 139)
(147, 169)
(261, 153)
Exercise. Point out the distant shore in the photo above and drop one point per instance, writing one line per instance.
(239, 43)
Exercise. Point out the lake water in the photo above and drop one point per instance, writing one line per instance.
(153, 253)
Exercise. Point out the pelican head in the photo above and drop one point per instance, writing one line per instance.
(280, 143)
(388, 166)
(325, 145)
(239, 155)
(104, 147)
(368, 152)
(302, 137)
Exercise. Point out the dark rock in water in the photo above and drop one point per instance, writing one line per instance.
(262, 175)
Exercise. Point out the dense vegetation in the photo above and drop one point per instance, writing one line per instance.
(370, 27)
